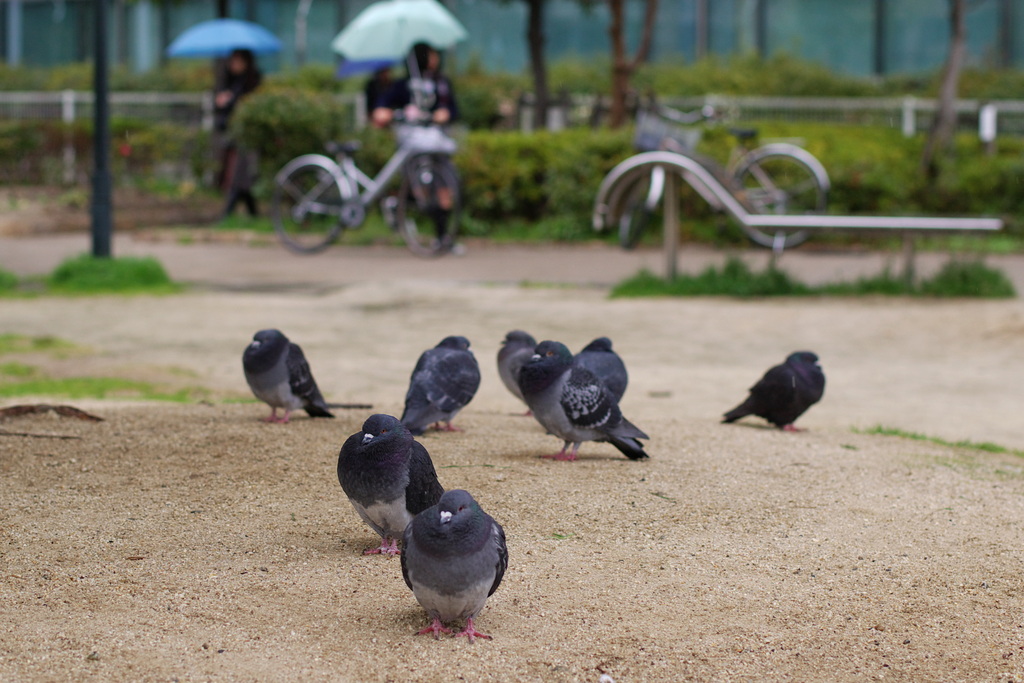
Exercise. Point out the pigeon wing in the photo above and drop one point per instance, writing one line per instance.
(454, 381)
(300, 379)
(424, 489)
(498, 537)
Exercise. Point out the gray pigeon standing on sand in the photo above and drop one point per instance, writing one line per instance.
(572, 403)
(278, 374)
(444, 380)
(453, 560)
(600, 359)
(516, 349)
(785, 392)
(388, 477)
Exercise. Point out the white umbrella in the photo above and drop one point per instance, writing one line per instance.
(389, 28)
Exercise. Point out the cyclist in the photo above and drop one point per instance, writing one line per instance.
(427, 93)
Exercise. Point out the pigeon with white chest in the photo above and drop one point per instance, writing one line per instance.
(388, 477)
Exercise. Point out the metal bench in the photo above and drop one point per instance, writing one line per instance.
(608, 206)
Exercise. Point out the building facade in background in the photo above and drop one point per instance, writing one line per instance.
(859, 37)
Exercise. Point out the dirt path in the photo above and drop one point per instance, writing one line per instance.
(194, 543)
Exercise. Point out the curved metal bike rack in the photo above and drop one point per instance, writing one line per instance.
(608, 206)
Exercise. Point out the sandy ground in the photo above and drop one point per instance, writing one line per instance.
(193, 542)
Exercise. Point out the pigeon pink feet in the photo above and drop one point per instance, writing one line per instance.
(446, 427)
(790, 428)
(564, 455)
(273, 418)
(437, 628)
(470, 632)
(388, 546)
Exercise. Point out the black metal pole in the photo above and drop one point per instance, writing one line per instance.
(101, 210)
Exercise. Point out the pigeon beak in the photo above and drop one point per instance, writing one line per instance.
(535, 356)
(255, 345)
(445, 516)
(367, 437)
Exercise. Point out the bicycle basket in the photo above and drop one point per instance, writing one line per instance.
(652, 131)
(429, 139)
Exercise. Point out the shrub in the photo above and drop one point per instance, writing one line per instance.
(280, 124)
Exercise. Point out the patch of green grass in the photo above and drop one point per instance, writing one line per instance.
(17, 343)
(95, 387)
(17, 370)
(8, 281)
(985, 446)
(968, 278)
(86, 274)
(735, 278)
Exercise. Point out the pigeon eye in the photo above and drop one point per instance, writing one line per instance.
(549, 354)
(383, 431)
(461, 508)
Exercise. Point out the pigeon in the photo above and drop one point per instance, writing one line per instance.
(600, 359)
(514, 352)
(454, 558)
(279, 375)
(444, 380)
(572, 403)
(388, 477)
(785, 392)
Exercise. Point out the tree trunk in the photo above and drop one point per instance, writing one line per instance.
(623, 67)
(944, 124)
(538, 64)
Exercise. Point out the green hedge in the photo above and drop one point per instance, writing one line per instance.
(511, 176)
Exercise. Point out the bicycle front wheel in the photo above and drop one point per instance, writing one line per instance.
(639, 204)
(429, 205)
(308, 197)
(776, 179)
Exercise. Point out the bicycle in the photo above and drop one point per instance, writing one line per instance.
(316, 197)
(779, 178)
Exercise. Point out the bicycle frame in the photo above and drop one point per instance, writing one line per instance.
(433, 142)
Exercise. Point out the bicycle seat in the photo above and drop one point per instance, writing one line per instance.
(742, 134)
(347, 147)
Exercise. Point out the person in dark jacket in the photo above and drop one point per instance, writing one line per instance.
(238, 165)
(428, 91)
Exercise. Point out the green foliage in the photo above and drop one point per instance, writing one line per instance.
(280, 124)
(86, 274)
(8, 281)
(735, 278)
(969, 279)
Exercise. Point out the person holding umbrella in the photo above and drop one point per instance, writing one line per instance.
(425, 90)
(238, 165)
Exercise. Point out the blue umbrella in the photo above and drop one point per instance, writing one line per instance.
(218, 37)
(354, 67)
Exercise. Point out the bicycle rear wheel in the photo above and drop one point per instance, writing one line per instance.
(429, 205)
(782, 179)
(308, 197)
(639, 203)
